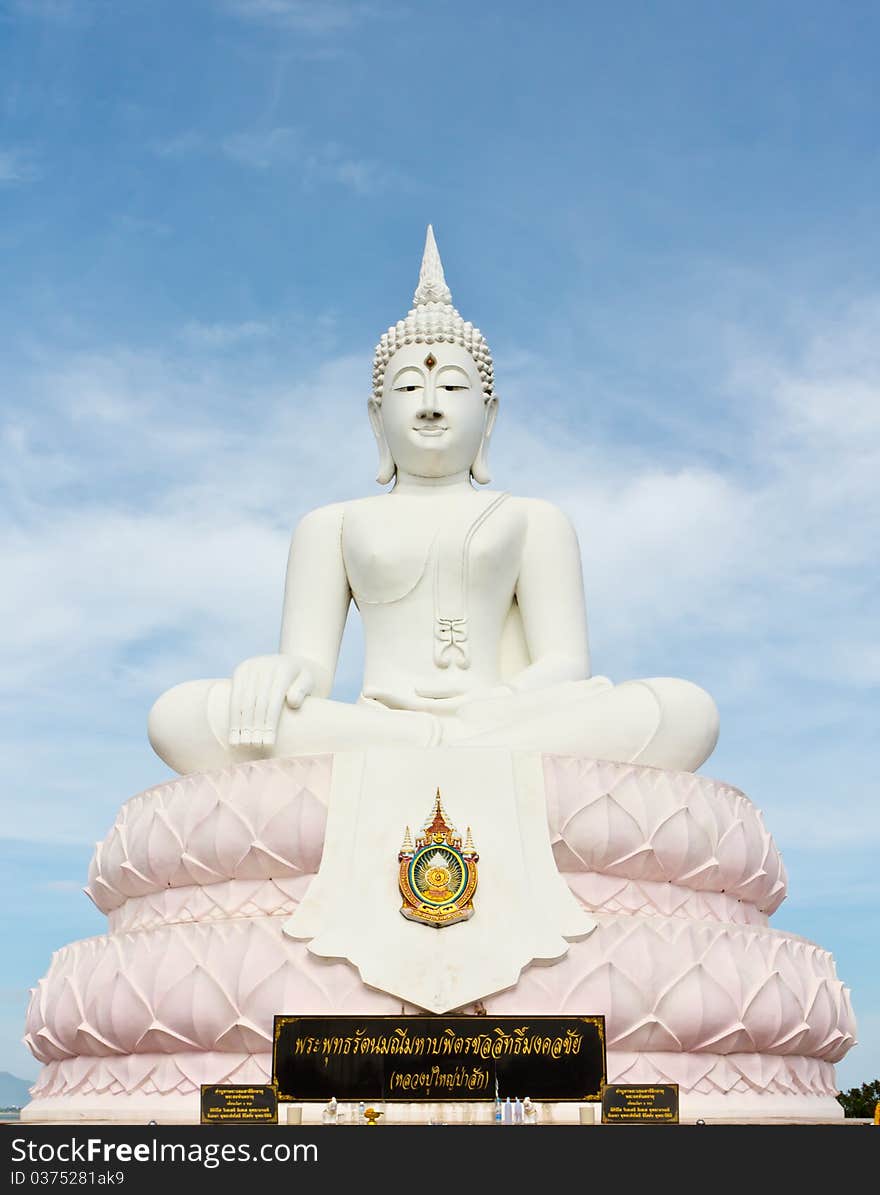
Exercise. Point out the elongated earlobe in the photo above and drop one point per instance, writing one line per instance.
(387, 467)
(480, 467)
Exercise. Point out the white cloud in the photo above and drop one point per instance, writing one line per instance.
(225, 336)
(855, 824)
(262, 149)
(776, 547)
(362, 176)
(65, 12)
(17, 166)
(169, 512)
(306, 16)
(181, 145)
(286, 148)
(281, 147)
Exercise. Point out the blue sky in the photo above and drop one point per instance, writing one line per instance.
(665, 219)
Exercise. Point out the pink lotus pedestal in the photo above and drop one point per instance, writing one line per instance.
(198, 875)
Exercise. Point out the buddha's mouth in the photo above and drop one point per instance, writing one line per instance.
(430, 431)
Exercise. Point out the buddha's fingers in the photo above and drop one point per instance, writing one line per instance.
(241, 705)
(235, 709)
(243, 709)
(265, 678)
(268, 712)
(248, 701)
(302, 686)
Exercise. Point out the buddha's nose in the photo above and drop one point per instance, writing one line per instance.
(429, 407)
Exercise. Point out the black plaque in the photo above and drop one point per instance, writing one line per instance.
(640, 1103)
(227, 1104)
(407, 1059)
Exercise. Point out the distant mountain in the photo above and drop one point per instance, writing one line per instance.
(14, 1092)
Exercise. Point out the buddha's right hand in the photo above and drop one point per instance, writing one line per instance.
(260, 687)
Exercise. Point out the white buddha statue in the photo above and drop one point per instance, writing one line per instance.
(472, 600)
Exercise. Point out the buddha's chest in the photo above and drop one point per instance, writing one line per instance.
(452, 550)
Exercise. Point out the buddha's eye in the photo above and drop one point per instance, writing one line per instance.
(406, 389)
(452, 379)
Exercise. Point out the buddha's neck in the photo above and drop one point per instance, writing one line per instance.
(409, 483)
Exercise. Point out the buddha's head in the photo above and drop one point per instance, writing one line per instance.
(433, 404)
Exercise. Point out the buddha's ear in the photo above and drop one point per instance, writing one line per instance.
(387, 467)
(480, 467)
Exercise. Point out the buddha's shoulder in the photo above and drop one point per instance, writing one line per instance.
(321, 518)
(541, 514)
(332, 516)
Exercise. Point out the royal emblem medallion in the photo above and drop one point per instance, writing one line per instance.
(438, 876)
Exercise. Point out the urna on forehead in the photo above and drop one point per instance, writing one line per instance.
(433, 321)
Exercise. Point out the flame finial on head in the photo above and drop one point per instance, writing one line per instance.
(432, 286)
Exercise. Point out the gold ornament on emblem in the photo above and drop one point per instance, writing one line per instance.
(438, 876)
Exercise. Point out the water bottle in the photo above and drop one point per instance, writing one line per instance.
(362, 1107)
(517, 1111)
(498, 1111)
(507, 1117)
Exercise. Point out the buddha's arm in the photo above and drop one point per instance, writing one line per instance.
(316, 596)
(550, 594)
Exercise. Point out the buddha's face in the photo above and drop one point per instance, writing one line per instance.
(433, 415)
